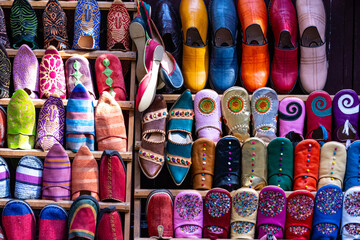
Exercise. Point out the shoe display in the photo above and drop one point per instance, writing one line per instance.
(4, 39)
(109, 225)
(139, 36)
(5, 73)
(4, 179)
(52, 223)
(352, 173)
(350, 217)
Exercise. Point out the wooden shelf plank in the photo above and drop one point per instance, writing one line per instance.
(130, 55)
(130, 6)
(18, 153)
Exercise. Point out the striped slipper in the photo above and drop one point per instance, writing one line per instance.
(53, 223)
(109, 226)
(80, 127)
(28, 178)
(56, 175)
(4, 179)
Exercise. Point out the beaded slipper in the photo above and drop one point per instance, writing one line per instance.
(350, 221)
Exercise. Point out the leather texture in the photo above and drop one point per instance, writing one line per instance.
(352, 173)
(292, 118)
(350, 217)
(203, 163)
(109, 225)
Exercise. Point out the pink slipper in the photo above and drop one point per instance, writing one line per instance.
(291, 118)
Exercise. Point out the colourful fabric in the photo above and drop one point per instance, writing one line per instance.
(53, 223)
(109, 226)
(4, 179)
(57, 174)
(21, 121)
(80, 127)
(4, 40)
(3, 127)
(29, 178)
(5, 72)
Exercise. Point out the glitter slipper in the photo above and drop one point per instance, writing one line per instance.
(350, 222)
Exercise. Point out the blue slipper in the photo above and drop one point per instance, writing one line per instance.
(4, 179)
(352, 173)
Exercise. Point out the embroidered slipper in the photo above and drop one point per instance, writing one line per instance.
(28, 181)
(109, 76)
(254, 164)
(188, 215)
(318, 112)
(4, 39)
(350, 221)
(82, 219)
(272, 212)
(306, 165)
(4, 179)
(217, 212)
(80, 124)
(24, 24)
(264, 107)
(84, 174)
(346, 116)
(56, 174)
(235, 107)
(352, 173)
(203, 163)
(26, 72)
(291, 119)
(332, 164)
(109, 225)
(178, 148)
(51, 123)
(208, 115)
(327, 212)
(243, 213)
(5, 73)
(87, 25)
(159, 213)
(3, 127)
(52, 76)
(55, 26)
(299, 215)
(53, 223)
(77, 69)
(21, 121)
(18, 220)
(280, 163)
(109, 125)
(227, 163)
(112, 177)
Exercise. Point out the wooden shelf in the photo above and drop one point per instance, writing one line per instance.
(130, 6)
(18, 153)
(130, 55)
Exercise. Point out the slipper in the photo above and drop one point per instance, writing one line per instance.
(203, 163)
(21, 121)
(18, 220)
(84, 174)
(264, 107)
(112, 177)
(53, 223)
(52, 76)
(272, 212)
(56, 174)
(280, 163)
(243, 213)
(208, 115)
(24, 24)
(109, 76)
(254, 164)
(78, 69)
(87, 25)
(327, 213)
(217, 204)
(178, 148)
(268, 237)
(55, 26)
(4, 179)
(299, 215)
(350, 221)
(109, 225)
(5, 74)
(159, 213)
(4, 39)
(109, 125)
(82, 219)
(306, 165)
(292, 118)
(80, 124)
(28, 181)
(51, 123)
(352, 173)
(227, 163)
(3, 127)
(346, 116)
(188, 215)
(318, 112)
(332, 164)
(235, 107)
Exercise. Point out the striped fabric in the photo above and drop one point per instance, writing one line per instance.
(4, 179)
(29, 178)
(84, 174)
(57, 174)
(109, 124)
(80, 127)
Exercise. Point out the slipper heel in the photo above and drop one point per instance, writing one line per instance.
(137, 34)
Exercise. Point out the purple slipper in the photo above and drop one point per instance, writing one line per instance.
(292, 118)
